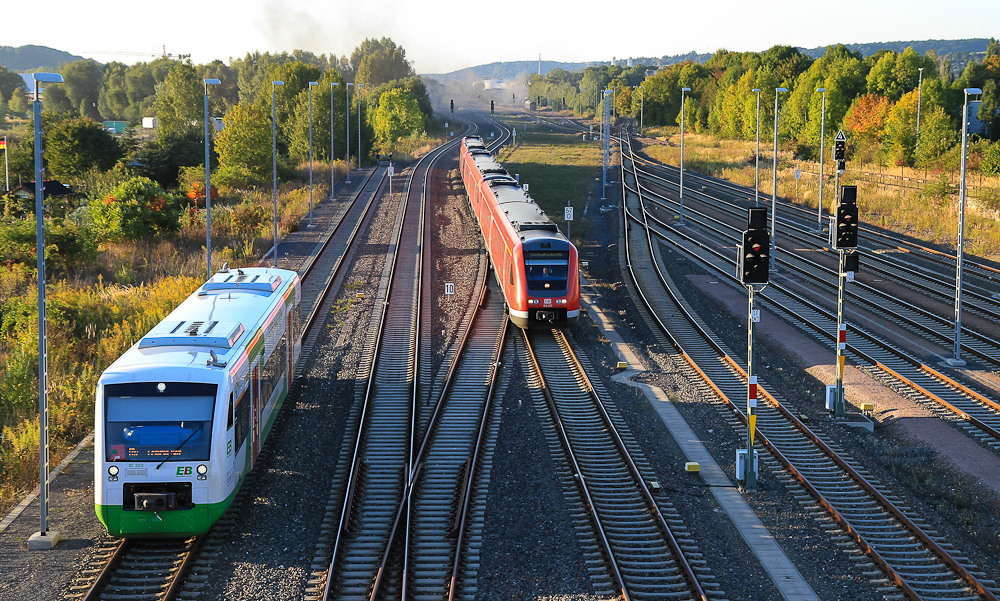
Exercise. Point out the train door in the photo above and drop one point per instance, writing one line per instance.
(231, 442)
(290, 336)
(255, 409)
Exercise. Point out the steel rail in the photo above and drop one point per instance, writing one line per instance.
(825, 333)
(946, 558)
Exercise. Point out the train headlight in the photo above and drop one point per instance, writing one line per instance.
(561, 301)
(202, 471)
(532, 301)
(113, 473)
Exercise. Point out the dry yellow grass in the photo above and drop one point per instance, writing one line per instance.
(929, 213)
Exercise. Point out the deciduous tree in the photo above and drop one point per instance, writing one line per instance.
(867, 116)
(82, 81)
(10, 82)
(178, 105)
(937, 135)
(77, 145)
(397, 115)
(379, 61)
(245, 141)
(18, 104)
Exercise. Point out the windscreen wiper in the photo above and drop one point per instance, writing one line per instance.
(196, 430)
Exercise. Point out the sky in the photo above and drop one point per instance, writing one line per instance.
(440, 36)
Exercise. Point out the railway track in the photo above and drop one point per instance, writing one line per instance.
(646, 547)
(923, 269)
(421, 546)
(973, 407)
(151, 566)
(385, 462)
(930, 320)
(383, 444)
(912, 558)
(139, 570)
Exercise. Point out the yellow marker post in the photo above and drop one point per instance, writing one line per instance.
(753, 425)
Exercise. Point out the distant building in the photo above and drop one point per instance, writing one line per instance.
(529, 105)
(149, 122)
(29, 84)
(50, 189)
(58, 199)
(114, 127)
(494, 84)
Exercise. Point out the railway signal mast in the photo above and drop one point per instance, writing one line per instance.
(754, 263)
(844, 237)
(839, 152)
(605, 134)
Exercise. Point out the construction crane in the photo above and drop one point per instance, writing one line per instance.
(165, 54)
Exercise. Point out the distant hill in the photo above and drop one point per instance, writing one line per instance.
(957, 52)
(32, 58)
(505, 71)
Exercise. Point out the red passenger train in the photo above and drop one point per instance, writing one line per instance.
(535, 264)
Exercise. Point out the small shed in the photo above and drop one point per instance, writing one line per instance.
(530, 105)
(114, 127)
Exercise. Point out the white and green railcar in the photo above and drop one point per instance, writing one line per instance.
(181, 416)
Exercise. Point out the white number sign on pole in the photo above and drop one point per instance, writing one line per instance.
(525, 186)
(449, 288)
(392, 170)
(568, 213)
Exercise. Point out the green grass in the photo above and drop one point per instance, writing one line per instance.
(558, 167)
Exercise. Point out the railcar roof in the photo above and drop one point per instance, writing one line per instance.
(522, 212)
(487, 164)
(219, 317)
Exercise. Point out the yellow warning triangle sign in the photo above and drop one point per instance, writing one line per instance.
(753, 425)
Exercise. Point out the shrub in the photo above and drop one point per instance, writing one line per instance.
(990, 165)
(235, 177)
(68, 245)
(135, 209)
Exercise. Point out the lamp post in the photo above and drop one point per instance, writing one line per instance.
(359, 86)
(774, 183)
(274, 165)
(957, 359)
(605, 142)
(822, 157)
(347, 134)
(756, 178)
(332, 84)
(43, 539)
(311, 84)
(208, 181)
(683, 91)
(920, 86)
(642, 106)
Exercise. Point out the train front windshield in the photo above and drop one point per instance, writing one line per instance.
(546, 272)
(158, 421)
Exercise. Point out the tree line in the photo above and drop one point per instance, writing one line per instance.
(392, 100)
(873, 99)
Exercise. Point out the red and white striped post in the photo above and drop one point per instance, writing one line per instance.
(838, 399)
